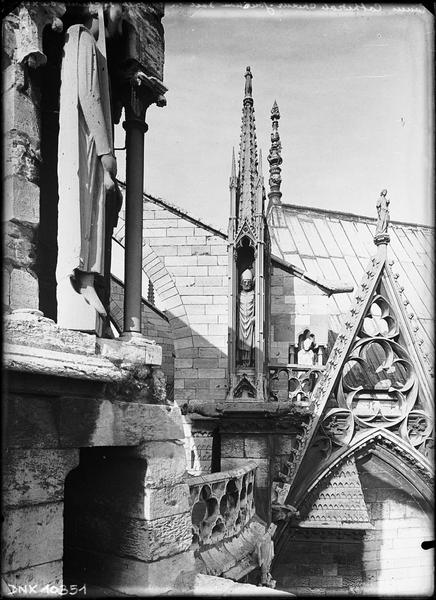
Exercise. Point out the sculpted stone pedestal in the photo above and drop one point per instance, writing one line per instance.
(74, 312)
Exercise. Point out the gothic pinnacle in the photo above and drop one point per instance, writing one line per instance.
(274, 158)
(233, 180)
(247, 154)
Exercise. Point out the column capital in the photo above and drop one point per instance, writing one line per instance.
(146, 89)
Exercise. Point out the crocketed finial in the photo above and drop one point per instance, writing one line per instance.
(274, 157)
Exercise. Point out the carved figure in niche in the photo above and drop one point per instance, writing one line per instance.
(89, 198)
(246, 319)
(265, 555)
(383, 213)
(306, 355)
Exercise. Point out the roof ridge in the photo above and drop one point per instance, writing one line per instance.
(143, 299)
(351, 216)
(411, 318)
(180, 212)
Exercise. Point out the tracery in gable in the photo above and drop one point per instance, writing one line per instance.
(378, 387)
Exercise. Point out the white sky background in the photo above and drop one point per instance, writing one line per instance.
(354, 89)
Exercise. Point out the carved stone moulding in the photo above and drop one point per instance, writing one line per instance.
(248, 424)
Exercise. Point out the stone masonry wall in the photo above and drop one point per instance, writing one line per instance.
(269, 449)
(21, 148)
(187, 264)
(384, 561)
(393, 561)
(295, 306)
(33, 493)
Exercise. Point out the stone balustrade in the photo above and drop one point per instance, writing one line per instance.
(292, 382)
(222, 504)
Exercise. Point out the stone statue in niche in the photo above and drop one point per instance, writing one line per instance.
(89, 198)
(306, 354)
(265, 555)
(382, 214)
(246, 320)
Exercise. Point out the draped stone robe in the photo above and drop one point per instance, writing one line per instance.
(246, 326)
(85, 134)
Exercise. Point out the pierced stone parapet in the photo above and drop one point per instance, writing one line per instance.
(292, 383)
(222, 504)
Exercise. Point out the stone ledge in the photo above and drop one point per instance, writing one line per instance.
(81, 422)
(37, 360)
(191, 583)
(30, 329)
(134, 349)
(250, 465)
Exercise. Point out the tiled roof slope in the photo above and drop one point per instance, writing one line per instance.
(337, 245)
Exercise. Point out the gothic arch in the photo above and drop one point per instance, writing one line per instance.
(156, 271)
(410, 463)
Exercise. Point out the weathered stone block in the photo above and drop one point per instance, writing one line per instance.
(166, 501)
(40, 575)
(135, 577)
(23, 157)
(135, 538)
(23, 289)
(283, 444)
(256, 446)
(146, 39)
(32, 423)
(81, 422)
(136, 350)
(22, 115)
(21, 200)
(36, 476)
(32, 535)
(166, 462)
(32, 329)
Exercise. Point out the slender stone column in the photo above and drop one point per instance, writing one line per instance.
(140, 94)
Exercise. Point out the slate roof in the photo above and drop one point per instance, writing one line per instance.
(335, 245)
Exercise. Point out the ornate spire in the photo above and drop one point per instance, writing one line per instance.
(247, 154)
(274, 158)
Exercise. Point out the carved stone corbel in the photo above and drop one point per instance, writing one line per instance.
(32, 19)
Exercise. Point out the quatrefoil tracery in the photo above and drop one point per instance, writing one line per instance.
(378, 387)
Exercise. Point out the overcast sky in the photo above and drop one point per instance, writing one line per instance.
(354, 91)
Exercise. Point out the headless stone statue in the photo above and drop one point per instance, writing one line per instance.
(86, 173)
(246, 319)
